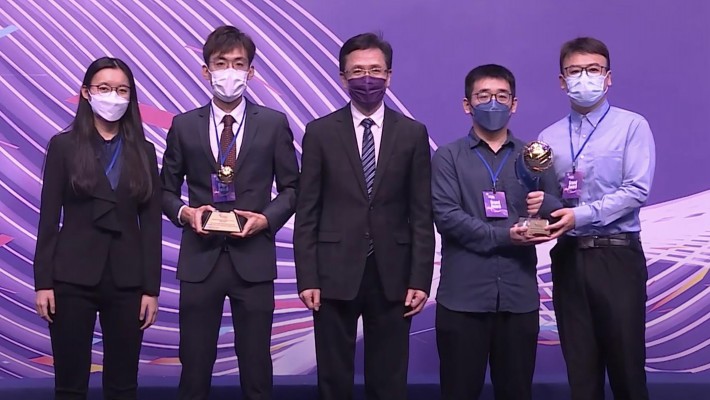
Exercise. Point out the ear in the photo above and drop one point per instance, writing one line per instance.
(250, 72)
(563, 83)
(467, 106)
(608, 79)
(85, 93)
(389, 78)
(206, 73)
(514, 106)
(343, 81)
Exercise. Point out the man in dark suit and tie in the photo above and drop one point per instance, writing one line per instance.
(230, 151)
(364, 236)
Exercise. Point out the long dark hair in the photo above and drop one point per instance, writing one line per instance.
(135, 165)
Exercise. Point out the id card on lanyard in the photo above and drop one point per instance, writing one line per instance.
(574, 180)
(223, 181)
(494, 201)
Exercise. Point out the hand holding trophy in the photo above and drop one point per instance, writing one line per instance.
(535, 158)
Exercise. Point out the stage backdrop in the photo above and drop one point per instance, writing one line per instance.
(660, 62)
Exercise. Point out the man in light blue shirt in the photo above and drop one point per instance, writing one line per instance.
(604, 160)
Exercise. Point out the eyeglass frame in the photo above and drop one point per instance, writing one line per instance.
(492, 96)
(113, 89)
(358, 72)
(584, 69)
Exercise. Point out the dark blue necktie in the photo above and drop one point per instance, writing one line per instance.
(368, 165)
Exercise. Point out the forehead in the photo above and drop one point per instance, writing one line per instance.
(493, 85)
(584, 59)
(232, 54)
(365, 58)
(111, 76)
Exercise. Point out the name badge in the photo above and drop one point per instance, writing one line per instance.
(496, 206)
(222, 192)
(572, 185)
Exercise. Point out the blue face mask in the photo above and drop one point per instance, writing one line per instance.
(585, 90)
(491, 116)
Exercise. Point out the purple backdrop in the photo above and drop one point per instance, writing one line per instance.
(46, 45)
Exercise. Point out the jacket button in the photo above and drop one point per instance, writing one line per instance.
(367, 235)
(372, 208)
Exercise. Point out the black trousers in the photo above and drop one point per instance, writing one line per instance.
(386, 336)
(599, 296)
(72, 336)
(201, 307)
(467, 342)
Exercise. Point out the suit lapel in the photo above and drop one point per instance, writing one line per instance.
(387, 144)
(346, 131)
(203, 132)
(251, 125)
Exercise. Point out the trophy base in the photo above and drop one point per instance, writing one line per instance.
(221, 222)
(536, 226)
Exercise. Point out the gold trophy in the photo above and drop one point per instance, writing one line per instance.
(219, 221)
(535, 158)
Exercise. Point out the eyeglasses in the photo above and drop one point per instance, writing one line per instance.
(575, 71)
(123, 91)
(377, 72)
(224, 64)
(485, 97)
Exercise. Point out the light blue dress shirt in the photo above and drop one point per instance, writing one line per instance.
(617, 163)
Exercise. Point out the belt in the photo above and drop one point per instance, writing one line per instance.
(590, 242)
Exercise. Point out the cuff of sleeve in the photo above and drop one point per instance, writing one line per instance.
(582, 216)
(502, 236)
(179, 214)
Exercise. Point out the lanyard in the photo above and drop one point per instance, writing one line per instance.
(116, 152)
(494, 176)
(571, 146)
(222, 157)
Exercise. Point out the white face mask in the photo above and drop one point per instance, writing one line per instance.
(229, 84)
(109, 106)
(585, 90)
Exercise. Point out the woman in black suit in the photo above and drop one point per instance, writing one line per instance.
(101, 181)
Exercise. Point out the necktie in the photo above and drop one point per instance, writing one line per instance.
(368, 166)
(368, 155)
(226, 139)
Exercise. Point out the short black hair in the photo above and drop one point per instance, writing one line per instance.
(365, 41)
(488, 71)
(225, 39)
(584, 45)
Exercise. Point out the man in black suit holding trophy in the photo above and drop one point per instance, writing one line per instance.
(230, 151)
(487, 302)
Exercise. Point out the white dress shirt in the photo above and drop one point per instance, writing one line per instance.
(378, 117)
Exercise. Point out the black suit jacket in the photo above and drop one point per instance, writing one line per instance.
(335, 220)
(105, 227)
(266, 153)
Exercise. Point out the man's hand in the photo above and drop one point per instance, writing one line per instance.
(534, 201)
(255, 223)
(44, 304)
(311, 298)
(519, 237)
(566, 222)
(149, 311)
(416, 299)
(193, 216)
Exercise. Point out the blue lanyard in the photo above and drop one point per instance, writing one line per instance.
(571, 146)
(222, 157)
(494, 177)
(116, 152)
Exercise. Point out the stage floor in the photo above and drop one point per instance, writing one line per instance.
(662, 387)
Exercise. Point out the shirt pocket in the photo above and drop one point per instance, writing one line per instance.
(609, 167)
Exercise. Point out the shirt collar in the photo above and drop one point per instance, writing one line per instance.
(475, 141)
(237, 113)
(378, 116)
(594, 116)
